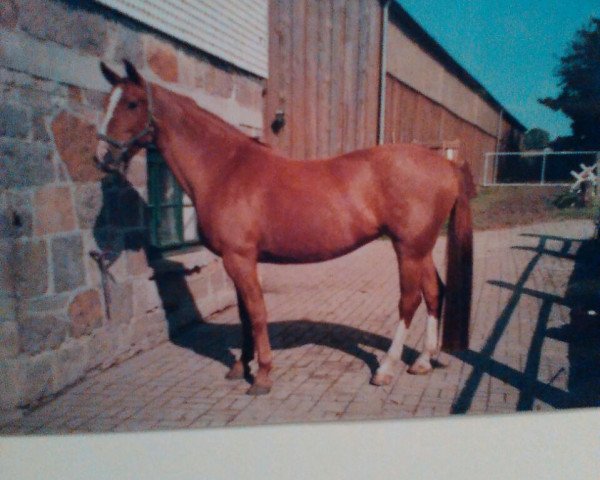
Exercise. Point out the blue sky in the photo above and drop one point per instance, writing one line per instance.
(512, 47)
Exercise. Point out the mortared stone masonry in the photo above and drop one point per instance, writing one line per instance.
(58, 319)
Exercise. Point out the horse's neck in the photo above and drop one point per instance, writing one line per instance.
(195, 145)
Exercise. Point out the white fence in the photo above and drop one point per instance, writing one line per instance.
(534, 168)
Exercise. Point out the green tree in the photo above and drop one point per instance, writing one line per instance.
(536, 139)
(579, 80)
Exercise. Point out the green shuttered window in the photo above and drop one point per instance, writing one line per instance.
(172, 216)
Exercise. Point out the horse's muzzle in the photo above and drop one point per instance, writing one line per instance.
(104, 159)
(104, 163)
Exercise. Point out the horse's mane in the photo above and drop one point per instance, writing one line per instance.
(194, 114)
(261, 142)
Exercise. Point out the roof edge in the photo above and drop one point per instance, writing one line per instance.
(410, 26)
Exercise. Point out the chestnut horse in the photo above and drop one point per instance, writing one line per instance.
(254, 205)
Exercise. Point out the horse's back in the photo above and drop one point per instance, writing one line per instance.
(315, 210)
(299, 211)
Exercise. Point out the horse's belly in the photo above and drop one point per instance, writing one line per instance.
(312, 240)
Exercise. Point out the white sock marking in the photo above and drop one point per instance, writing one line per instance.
(112, 104)
(430, 346)
(431, 335)
(395, 350)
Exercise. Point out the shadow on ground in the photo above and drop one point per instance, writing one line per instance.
(118, 230)
(215, 341)
(582, 334)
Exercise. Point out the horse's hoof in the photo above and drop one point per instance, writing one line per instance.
(420, 369)
(257, 389)
(442, 361)
(236, 372)
(382, 379)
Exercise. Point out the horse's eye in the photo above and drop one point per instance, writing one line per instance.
(132, 105)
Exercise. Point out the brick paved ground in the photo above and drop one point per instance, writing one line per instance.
(329, 324)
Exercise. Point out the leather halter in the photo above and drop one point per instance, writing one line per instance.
(124, 147)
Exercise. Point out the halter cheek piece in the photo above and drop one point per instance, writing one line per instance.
(124, 147)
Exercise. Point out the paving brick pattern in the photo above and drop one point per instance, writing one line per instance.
(329, 323)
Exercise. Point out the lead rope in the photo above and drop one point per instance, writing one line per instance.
(105, 259)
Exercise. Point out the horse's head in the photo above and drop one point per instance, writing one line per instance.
(127, 125)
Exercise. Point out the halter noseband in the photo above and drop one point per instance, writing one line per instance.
(123, 147)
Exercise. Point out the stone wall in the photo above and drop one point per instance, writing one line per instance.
(56, 323)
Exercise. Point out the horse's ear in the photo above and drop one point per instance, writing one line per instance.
(132, 73)
(109, 74)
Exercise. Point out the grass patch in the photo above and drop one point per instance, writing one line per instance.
(504, 207)
(500, 207)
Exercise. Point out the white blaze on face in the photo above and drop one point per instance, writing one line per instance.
(102, 147)
(112, 104)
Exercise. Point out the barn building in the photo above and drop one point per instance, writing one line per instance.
(349, 75)
(95, 268)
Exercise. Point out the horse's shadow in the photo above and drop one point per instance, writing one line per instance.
(120, 227)
(216, 340)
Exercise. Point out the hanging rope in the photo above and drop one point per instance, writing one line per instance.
(105, 259)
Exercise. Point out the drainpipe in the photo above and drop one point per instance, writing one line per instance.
(384, 28)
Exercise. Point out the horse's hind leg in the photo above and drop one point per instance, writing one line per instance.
(410, 298)
(242, 271)
(241, 367)
(432, 290)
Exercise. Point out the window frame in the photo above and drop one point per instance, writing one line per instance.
(155, 164)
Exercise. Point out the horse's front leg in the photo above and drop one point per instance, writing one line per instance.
(241, 368)
(242, 270)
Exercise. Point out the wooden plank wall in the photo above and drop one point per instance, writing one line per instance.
(412, 117)
(324, 58)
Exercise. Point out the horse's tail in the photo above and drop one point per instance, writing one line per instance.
(459, 274)
(469, 183)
